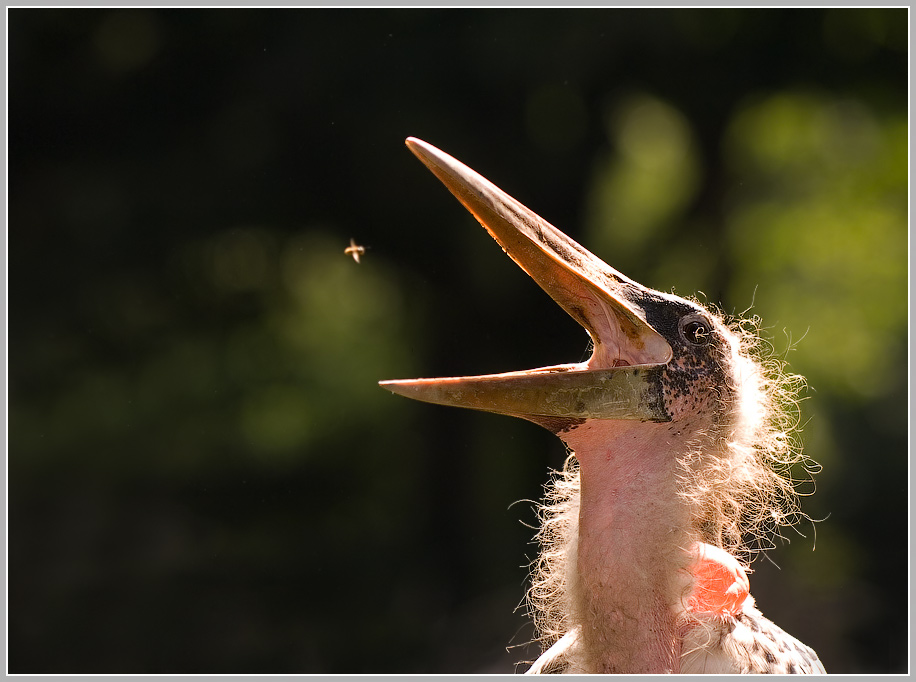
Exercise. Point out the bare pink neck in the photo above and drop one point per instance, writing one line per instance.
(632, 540)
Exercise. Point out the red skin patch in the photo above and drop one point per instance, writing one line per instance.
(721, 585)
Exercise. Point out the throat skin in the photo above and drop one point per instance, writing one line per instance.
(630, 570)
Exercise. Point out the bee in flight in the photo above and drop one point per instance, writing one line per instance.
(355, 250)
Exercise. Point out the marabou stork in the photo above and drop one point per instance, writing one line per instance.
(677, 454)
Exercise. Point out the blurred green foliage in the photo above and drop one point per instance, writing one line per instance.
(648, 180)
(203, 474)
(821, 219)
(269, 387)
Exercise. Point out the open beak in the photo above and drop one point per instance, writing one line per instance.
(621, 380)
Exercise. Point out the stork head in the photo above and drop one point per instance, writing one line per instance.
(656, 357)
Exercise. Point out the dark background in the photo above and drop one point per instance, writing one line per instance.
(203, 476)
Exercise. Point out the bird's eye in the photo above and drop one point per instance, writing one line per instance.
(696, 330)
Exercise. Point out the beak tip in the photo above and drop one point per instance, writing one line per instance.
(431, 157)
(394, 386)
(416, 145)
